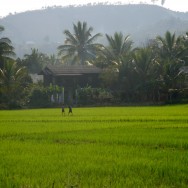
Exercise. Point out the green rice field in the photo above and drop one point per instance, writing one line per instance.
(101, 147)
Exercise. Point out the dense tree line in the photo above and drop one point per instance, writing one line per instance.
(154, 73)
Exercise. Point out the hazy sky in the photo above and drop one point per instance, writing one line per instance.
(12, 6)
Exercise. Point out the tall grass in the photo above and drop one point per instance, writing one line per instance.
(96, 147)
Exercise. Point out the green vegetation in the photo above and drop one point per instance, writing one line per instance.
(79, 47)
(96, 147)
(155, 73)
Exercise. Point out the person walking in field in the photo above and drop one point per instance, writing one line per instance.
(70, 110)
(63, 109)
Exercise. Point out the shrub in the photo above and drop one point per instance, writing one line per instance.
(39, 97)
(94, 96)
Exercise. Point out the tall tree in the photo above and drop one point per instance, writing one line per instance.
(6, 49)
(147, 72)
(34, 61)
(184, 46)
(171, 57)
(118, 47)
(112, 56)
(13, 80)
(79, 46)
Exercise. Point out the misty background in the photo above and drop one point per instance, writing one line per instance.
(43, 29)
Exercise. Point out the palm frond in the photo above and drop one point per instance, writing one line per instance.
(80, 44)
(70, 39)
(93, 38)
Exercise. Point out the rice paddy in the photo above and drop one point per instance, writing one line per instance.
(94, 147)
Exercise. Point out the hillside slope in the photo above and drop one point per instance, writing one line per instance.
(43, 29)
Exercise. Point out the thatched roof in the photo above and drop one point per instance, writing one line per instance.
(69, 70)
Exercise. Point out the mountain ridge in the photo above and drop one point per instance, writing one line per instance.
(43, 29)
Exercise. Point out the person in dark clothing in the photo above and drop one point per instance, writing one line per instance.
(70, 110)
(63, 110)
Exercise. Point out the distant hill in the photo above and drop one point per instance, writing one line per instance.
(43, 29)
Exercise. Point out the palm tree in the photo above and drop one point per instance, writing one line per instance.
(184, 43)
(119, 46)
(6, 49)
(169, 45)
(34, 61)
(171, 57)
(79, 46)
(12, 82)
(147, 73)
(112, 57)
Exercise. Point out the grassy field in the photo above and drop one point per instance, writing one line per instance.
(112, 147)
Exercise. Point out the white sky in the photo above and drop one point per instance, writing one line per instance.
(12, 6)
